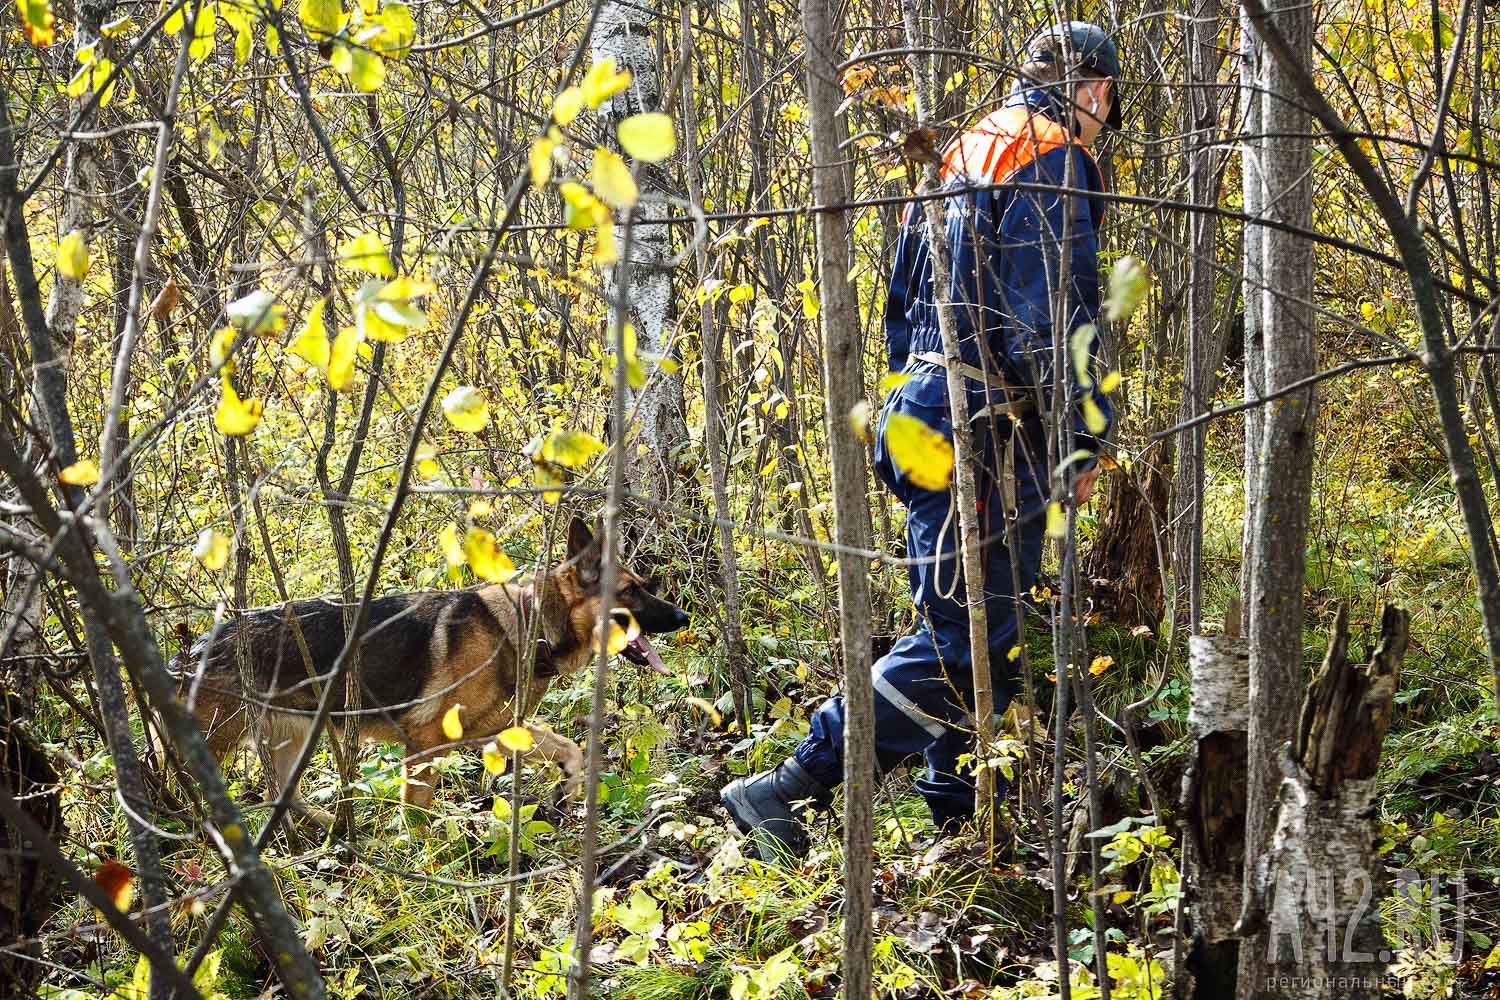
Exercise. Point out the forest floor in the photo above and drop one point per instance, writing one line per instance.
(416, 905)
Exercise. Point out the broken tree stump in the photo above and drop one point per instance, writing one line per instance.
(1315, 887)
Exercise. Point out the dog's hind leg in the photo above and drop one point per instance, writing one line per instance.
(284, 736)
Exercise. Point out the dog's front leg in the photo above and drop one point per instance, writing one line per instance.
(561, 751)
(417, 776)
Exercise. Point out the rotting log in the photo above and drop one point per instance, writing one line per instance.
(1313, 887)
(1213, 811)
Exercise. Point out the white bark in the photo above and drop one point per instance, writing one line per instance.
(80, 184)
(1323, 937)
(1218, 715)
(1284, 484)
(625, 32)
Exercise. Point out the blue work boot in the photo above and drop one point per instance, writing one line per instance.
(768, 808)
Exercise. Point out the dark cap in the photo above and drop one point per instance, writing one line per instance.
(1092, 49)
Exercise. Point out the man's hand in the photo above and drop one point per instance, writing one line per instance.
(1083, 486)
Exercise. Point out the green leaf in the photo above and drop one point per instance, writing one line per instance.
(641, 915)
(1079, 342)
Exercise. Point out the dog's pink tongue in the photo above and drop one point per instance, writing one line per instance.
(652, 656)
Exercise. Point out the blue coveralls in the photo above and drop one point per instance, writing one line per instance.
(1005, 243)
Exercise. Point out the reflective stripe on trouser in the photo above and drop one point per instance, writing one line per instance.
(924, 693)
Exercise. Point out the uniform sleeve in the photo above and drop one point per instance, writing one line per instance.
(1030, 239)
(898, 297)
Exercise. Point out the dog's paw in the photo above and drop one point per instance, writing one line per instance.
(572, 764)
(322, 817)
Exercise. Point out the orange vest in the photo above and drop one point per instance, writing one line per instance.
(1002, 143)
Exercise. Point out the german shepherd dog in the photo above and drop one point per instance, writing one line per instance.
(421, 654)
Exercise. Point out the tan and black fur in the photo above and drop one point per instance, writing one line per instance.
(420, 654)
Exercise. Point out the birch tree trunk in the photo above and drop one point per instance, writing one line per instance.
(1251, 56)
(1284, 476)
(843, 380)
(1213, 813)
(626, 33)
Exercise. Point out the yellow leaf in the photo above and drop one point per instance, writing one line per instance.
(233, 417)
(211, 550)
(487, 562)
(219, 346)
(1093, 417)
(570, 449)
(405, 288)
(258, 314)
(918, 451)
(1057, 523)
(341, 358)
(606, 250)
(601, 82)
(364, 67)
(859, 421)
(648, 137)
(399, 29)
(84, 472)
(546, 476)
(479, 509)
(540, 160)
(612, 180)
(707, 708)
(810, 304)
(453, 551)
(494, 761)
(581, 210)
(466, 409)
(320, 17)
(1122, 896)
(453, 726)
(73, 256)
(36, 15)
(516, 739)
(366, 252)
(204, 26)
(567, 105)
(311, 344)
(1101, 664)
(1015, 651)
(1129, 283)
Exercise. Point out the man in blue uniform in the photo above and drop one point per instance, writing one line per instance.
(1006, 229)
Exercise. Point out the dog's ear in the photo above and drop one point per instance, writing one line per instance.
(583, 550)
